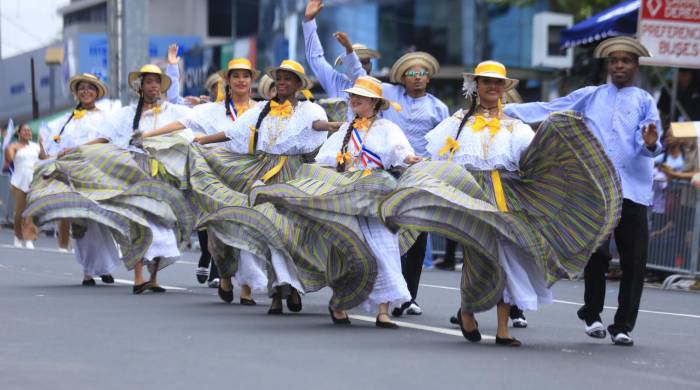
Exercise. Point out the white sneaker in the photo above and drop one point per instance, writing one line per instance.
(214, 283)
(28, 244)
(622, 338)
(596, 330)
(519, 322)
(18, 243)
(414, 309)
(63, 250)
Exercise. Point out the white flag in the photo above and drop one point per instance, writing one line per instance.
(8, 136)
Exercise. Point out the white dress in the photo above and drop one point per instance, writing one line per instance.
(118, 130)
(96, 251)
(211, 118)
(525, 284)
(282, 136)
(385, 146)
(25, 160)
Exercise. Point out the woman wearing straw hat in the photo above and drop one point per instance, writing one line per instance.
(416, 113)
(95, 250)
(360, 155)
(625, 119)
(527, 208)
(266, 144)
(211, 118)
(124, 128)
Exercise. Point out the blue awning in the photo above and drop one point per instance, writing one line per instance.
(618, 20)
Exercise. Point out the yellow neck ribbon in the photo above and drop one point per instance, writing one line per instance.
(283, 110)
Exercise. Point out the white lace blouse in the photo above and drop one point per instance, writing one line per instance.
(75, 133)
(477, 151)
(211, 118)
(385, 146)
(117, 128)
(277, 135)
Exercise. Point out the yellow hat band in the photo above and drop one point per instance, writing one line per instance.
(490, 68)
(292, 65)
(240, 63)
(369, 85)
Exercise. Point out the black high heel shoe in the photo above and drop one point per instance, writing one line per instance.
(277, 310)
(473, 336)
(385, 324)
(140, 288)
(292, 306)
(339, 321)
(226, 296)
(247, 302)
(511, 342)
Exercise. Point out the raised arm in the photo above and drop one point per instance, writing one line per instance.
(332, 81)
(173, 71)
(647, 137)
(539, 111)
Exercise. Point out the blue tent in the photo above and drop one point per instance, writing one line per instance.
(618, 20)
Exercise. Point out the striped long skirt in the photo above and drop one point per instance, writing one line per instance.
(108, 185)
(561, 205)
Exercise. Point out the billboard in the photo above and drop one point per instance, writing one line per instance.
(670, 29)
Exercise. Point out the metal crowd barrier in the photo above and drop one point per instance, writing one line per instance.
(674, 232)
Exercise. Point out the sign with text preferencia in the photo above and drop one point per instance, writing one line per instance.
(670, 29)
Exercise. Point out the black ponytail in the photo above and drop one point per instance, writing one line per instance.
(227, 100)
(263, 114)
(469, 113)
(139, 110)
(69, 118)
(344, 146)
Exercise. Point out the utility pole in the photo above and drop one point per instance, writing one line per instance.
(114, 21)
(134, 41)
(35, 102)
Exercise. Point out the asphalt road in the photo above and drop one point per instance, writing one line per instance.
(56, 334)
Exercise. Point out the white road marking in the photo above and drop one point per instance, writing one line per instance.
(131, 282)
(666, 313)
(434, 329)
(37, 248)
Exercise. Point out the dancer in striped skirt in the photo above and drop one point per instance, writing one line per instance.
(209, 119)
(343, 201)
(527, 208)
(267, 143)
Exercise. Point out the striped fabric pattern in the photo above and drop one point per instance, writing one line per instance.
(106, 184)
(220, 182)
(562, 204)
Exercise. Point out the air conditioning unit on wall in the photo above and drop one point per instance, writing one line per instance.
(546, 47)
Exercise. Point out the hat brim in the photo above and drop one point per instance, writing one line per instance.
(306, 82)
(75, 80)
(254, 73)
(510, 83)
(363, 92)
(165, 80)
(409, 60)
(626, 44)
(361, 53)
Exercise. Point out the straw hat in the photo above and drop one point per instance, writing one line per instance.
(88, 78)
(212, 80)
(490, 69)
(265, 87)
(240, 64)
(135, 77)
(626, 44)
(362, 51)
(294, 67)
(408, 60)
(369, 87)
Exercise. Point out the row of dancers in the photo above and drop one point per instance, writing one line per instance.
(293, 202)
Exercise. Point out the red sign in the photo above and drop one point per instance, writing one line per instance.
(670, 29)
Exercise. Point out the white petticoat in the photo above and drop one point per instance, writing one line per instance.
(525, 284)
(96, 250)
(250, 272)
(283, 274)
(390, 286)
(164, 245)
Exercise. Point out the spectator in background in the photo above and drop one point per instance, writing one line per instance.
(688, 97)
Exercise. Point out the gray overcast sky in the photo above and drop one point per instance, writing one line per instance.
(29, 24)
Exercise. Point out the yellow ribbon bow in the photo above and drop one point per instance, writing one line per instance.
(283, 110)
(57, 139)
(480, 123)
(78, 114)
(156, 109)
(361, 124)
(451, 146)
(343, 157)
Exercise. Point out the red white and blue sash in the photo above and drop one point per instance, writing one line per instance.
(368, 158)
(233, 113)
